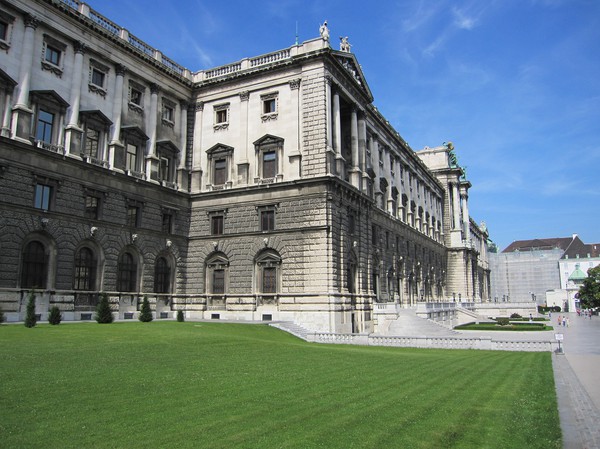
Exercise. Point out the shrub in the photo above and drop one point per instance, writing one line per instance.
(2, 317)
(180, 317)
(54, 317)
(30, 318)
(145, 312)
(515, 315)
(503, 321)
(103, 312)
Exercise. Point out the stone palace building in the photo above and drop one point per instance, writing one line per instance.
(267, 189)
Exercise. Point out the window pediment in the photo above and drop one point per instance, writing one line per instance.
(219, 149)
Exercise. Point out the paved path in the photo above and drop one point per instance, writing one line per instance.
(577, 374)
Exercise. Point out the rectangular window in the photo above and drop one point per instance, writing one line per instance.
(52, 55)
(135, 96)
(168, 113)
(133, 216)
(216, 224)
(374, 235)
(163, 172)
(221, 116)
(351, 223)
(98, 77)
(45, 122)
(269, 164)
(218, 286)
(267, 220)
(92, 207)
(269, 106)
(220, 172)
(131, 161)
(92, 142)
(269, 280)
(3, 30)
(43, 194)
(167, 223)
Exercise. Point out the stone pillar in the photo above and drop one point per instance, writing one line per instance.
(22, 114)
(337, 135)
(115, 144)
(355, 171)
(362, 151)
(330, 158)
(7, 112)
(465, 214)
(455, 207)
(197, 149)
(244, 162)
(151, 160)
(73, 133)
(181, 168)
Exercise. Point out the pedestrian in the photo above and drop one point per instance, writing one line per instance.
(568, 321)
(559, 320)
(564, 321)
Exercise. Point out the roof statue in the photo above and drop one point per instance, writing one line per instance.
(324, 32)
(344, 44)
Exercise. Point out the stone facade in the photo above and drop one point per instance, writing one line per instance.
(267, 189)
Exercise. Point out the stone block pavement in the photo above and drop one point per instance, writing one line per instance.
(577, 376)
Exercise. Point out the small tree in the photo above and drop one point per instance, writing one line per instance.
(180, 317)
(54, 317)
(1, 317)
(30, 318)
(145, 312)
(589, 292)
(103, 312)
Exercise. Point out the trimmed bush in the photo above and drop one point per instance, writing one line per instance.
(515, 315)
(30, 318)
(145, 312)
(503, 321)
(2, 319)
(180, 317)
(103, 313)
(54, 317)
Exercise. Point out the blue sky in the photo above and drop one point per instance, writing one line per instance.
(514, 84)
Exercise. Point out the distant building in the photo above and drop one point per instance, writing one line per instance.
(266, 189)
(547, 271)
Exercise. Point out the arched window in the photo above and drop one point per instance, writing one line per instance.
(268, 272)
(85, 270)
(162, 276)
(217, 274)
(127, 273)
(34, 265)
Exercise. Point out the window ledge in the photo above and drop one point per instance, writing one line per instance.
(135, 108)
(52, 68)
(221, 126)
(97, 89)
(272, 116)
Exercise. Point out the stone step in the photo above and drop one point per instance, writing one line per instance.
(409, 324)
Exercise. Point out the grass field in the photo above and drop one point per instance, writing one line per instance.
(216, 385)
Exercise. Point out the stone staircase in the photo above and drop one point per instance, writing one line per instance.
(408, 324)
(292, 328)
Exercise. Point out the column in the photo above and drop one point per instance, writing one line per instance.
(362, 151)
(455, 207)
(73, 133)
(244, 160)
(197, 148)
(22, 114)
(337, 136)
(182, 179)
(151, 160)
(115, 147)
(330, 157)
(355, 170)
(7, 111)
(465, 214)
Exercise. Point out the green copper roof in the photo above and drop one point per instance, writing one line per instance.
(577, 275)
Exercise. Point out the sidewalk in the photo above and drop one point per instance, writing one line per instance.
(576, 375)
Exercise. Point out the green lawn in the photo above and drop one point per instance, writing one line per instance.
(215, 385)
